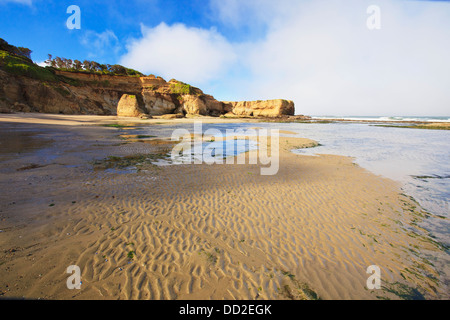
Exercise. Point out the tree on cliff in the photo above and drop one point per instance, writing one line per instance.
(50, 62)
(77, 65)
(90, 67)
(95, 66)
(59, 63)
(69, 64)
(19, 51)
(24, 52)
(118, 69)
(87, 65)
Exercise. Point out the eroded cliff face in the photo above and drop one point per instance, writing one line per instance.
(129, 107)
(23, 94)
(268, 108)
(81, 93)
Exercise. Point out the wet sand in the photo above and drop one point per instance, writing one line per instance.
(77, 120)
(200, 231)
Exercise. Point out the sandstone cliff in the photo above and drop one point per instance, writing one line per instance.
(25, 94)
(269, 108)
(128, 106)
(49, 90)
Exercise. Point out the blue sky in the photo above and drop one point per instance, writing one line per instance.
(41, 25)
(320, 54)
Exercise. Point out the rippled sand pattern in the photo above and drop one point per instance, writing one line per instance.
(207, 232)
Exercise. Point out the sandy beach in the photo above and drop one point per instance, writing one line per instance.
(197, 231)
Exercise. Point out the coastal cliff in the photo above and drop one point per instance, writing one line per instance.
(27, 87)
(269, 108)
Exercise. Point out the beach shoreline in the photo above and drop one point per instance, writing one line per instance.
(74, 120)
(200, 231)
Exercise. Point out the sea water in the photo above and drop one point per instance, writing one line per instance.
(384, 118)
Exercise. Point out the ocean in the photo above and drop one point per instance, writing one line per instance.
(384, 118)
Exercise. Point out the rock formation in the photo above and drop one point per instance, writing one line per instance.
(25, 94)
(129, 106)
(50, 90)
(269, 108)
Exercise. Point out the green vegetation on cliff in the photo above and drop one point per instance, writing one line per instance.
(21, 66)
(181, 88)
(91, 67)
(17, 61)
(18, 51)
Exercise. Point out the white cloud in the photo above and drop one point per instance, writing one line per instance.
(321, 55)
(41, 63)
(189, 54)
(318, 53)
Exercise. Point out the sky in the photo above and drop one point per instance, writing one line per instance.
(334, 57)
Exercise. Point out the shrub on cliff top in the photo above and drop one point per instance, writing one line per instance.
(23, 67)
(181, 88)
(90, 67)
(17, 60)
(18, 51)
